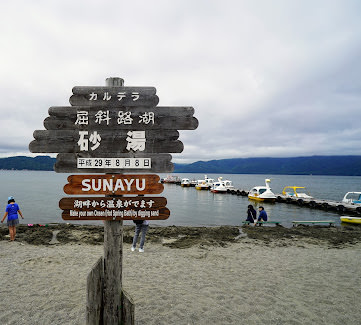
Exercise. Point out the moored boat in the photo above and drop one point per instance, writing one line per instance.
(262, 193)
(170, 179)
(185, 182)
(352, 198)
(204, 184)
(193, 183)
(348, 219)
(222, 186)
(291, 191)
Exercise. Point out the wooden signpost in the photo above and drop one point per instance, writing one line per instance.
(113, 184)
(113, 130)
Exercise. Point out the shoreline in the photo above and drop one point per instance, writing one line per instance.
(185, 237)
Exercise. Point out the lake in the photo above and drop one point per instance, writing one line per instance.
(38, 194)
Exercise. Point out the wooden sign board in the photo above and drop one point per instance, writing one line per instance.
(113, 184)
(169, 123)
(109, 136)
(118, 215)
(112, 203)
(114, 208)
(114, 96)
(113, 163)
(98, 142)
(129, 118)
(136, 111)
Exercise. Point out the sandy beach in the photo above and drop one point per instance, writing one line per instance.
(266, 275)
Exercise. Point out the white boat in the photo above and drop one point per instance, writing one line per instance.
(204, 184)
(170, 179)
(222, 186)
(185, 182)
(291, 191)
(352, 198)
(262, 193)
(194, 182)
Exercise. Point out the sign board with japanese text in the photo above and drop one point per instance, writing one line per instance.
(114, 96)
(113, 184)
(97, 142)
(127, 118)
(114, 208)
(112, 163)
(114, 129)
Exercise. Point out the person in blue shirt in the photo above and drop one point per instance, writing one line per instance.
(12, 210)
(262, 214)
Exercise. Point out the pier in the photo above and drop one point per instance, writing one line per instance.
(326, 205)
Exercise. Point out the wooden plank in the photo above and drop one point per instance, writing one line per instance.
(94, 301)
(114, 96)
(117, 215)
(160, 123)
(68, 163)
(159, 111)
(85, 90)
(113, 184)
(127, 309)
(61, 146)
(88, 203)
(113, 261)
(66, 141)
(108, 136)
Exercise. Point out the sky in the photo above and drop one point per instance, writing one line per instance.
(266, 78)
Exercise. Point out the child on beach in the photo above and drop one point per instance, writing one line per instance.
(262, 214)
(251, 214)
(12, 210)
(140, 225)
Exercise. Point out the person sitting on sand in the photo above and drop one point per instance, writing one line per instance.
(140, 225)
(12, 210)
(251, 214)
(262, 214)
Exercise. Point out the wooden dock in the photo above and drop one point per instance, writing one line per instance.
(327, 205)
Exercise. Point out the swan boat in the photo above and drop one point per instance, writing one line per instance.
(262, 193)
(204, 184)
(222, 186)
(185, 182)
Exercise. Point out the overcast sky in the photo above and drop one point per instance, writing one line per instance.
(266, 78)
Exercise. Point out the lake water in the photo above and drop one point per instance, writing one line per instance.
(38, 194)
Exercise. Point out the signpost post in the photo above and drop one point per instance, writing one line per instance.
(113, 130)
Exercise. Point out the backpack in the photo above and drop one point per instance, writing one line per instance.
(138, 222)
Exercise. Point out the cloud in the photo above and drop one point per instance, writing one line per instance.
(266, 78)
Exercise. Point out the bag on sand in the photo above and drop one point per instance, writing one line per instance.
(138, 222)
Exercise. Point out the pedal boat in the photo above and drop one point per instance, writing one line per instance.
(348, 219)
(293, 192)
(222, 186)
(262, 193)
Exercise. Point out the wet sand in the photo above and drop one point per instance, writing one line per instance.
(189, 275)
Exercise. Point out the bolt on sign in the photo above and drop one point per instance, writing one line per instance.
(113, 130)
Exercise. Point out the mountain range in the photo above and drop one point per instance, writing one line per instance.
(312, 165)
